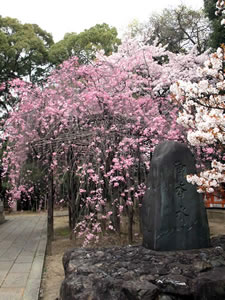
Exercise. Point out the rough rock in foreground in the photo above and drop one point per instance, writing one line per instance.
(134, 272)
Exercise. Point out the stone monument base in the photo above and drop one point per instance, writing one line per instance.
(134, 272)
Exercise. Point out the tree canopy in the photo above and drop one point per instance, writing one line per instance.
(27, 51)
(23, 53)
(179, 28)
(217, 36)
(23, 50)
(85, 44)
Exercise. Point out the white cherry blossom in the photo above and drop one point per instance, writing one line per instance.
(203, 106)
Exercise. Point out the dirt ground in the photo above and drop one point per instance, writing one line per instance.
(53, 273)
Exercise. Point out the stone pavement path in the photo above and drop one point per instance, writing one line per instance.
(23, 240)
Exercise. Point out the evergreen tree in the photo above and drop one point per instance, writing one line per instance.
(217, 36)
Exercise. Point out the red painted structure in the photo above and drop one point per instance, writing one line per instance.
(216, 199)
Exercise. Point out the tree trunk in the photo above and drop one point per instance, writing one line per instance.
(50, 213)
(116, 219)
(70, 217)
(130, 224)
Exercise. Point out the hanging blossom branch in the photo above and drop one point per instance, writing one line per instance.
(203, 107)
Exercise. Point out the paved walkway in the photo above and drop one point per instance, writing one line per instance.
(23, 240)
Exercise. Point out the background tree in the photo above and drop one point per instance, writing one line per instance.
(179, 28)
(217, 36)
(135, 29)
(23, 53)
(85, 44)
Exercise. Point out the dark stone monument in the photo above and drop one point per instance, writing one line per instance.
(173, 212)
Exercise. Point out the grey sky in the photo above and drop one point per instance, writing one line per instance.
(59, 17)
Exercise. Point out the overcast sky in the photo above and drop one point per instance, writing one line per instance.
(59, 17)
